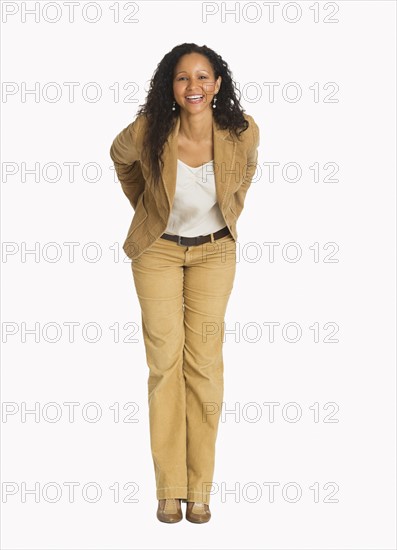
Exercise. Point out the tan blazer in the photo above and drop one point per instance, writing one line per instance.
(234, 167)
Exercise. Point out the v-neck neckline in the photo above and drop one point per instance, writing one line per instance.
(195, 167)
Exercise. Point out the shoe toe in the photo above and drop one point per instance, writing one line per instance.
(169, 510)
(198, 512)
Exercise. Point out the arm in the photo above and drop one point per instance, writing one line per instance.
(249, 169)
(126, 159)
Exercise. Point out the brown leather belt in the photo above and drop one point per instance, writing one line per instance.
(194, 241)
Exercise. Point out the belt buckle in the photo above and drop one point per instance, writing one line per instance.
(179, 240)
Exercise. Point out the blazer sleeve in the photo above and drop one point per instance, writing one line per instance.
(126, 159)
(250, 168)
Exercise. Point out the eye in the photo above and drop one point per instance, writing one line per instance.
(201, 76)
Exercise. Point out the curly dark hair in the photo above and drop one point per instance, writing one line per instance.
(161, 118)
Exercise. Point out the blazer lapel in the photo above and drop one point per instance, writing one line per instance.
(224, 161)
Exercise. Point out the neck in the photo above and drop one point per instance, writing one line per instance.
(196, 127)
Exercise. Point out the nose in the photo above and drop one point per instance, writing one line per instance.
(193, 86)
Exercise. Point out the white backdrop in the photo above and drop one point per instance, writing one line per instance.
(309, 407)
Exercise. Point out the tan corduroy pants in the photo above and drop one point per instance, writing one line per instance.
(183, 292)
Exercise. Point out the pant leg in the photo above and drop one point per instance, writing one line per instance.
(158, 278)
(208, 282)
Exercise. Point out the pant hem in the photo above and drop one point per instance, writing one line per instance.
(171, 492)
(184, 494)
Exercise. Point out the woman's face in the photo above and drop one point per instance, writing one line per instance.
(194, 76)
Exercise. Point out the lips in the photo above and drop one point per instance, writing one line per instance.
(196, 98)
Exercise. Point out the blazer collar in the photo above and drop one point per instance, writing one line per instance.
(224, 161)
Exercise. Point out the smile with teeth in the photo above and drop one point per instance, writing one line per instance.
(194, 98)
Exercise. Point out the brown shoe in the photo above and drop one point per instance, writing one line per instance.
(198, 512)
(169, 510)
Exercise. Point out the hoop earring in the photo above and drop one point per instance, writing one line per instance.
(214, 102)
(173, 106)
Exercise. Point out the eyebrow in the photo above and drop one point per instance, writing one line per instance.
(198, 70)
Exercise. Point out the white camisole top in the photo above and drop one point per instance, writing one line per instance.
(195, 210)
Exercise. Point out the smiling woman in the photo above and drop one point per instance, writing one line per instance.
(185, 164)
(195, 82)
(189, 70)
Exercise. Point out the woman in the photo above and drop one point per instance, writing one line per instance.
(185, 164)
